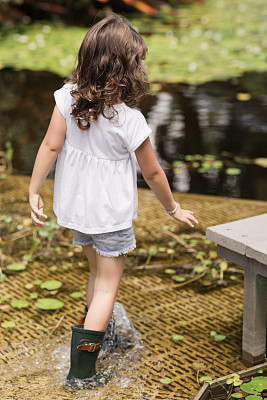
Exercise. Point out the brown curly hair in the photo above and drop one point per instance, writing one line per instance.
(109, 71)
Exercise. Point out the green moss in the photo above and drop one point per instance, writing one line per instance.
(215, 40)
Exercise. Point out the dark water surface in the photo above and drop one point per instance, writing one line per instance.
(200, 133)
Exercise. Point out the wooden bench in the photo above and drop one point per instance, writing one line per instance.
(244, 242)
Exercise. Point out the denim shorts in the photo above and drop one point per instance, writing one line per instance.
(110, 244)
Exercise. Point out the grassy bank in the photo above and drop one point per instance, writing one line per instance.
(211, 41)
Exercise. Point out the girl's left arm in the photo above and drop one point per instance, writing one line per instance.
(46, 156)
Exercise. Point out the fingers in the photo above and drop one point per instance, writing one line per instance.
(36, 221)
(187, 217)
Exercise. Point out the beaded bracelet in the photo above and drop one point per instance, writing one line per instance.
(173, 211)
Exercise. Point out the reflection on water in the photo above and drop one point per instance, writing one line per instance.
(41, 367)
(199, 132)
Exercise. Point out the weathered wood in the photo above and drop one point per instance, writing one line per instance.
(244, 242)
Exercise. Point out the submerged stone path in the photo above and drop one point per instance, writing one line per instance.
(155, 308)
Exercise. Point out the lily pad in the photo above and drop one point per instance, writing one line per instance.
(237, 395)
(152, 251)
(49, 304)
(255, 386)
(177, 337)
(179, 279)
(37, 282)
(5, 297)
(169, 271)
(166, 381)
(219, 337)
(262, 162)
(8, 324)
(254, 397)
(28, 286)
(198, 268)
(16, 267)
(233, 171)
(34, 295)
(19, 303)
(205, 379)
(76, 294)
(51, 285)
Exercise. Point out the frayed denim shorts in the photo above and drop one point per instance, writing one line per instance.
(110, 244)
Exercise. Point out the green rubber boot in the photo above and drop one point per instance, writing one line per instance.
(85, 347)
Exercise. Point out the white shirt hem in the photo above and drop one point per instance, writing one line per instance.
(106, 229)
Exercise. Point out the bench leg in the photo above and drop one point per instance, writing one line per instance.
(254, 317)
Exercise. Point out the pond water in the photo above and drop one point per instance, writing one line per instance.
(209, 139)
(41, 367)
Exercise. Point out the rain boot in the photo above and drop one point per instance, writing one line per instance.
(85, 347)
(110, 340)
(81, 320)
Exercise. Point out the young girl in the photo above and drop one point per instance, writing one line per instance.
(94, 132)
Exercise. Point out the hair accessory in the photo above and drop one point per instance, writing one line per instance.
(173, 211)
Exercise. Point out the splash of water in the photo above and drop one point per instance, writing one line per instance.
(42, 366)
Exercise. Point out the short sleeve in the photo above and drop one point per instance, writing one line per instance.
(137, 131)
(63, 99)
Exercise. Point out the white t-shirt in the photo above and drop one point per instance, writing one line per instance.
(95, 188)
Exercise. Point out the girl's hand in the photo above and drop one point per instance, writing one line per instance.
(37, 208)
(185, 216)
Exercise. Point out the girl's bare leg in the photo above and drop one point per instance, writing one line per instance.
(91, 257)
(108, 275)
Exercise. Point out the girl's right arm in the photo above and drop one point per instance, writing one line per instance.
(157, 181)
(46, 156)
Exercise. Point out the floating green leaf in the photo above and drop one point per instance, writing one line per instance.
(262, 162)
(49, 304)
(166, 381)
(29, 286)
(177, 337)
(5, 297)
(254, 397)
(53, 268)
(19, 303)
(142, 251)
(205, 379)
(198, 268)
(8, 324)
(255, 386)
(33, 295)
(233, 171)
(237, 395)
(219, 337)
(217, 164)
(177, 163)
(234, 379)
(37, 282)
(152, 251)
(233, 277)
(76, 294)
(170, 271)
(51, 285)
(162, 249)
(260, 371)
(213, 333)
(179, 279)
(189, 157)
(16, 267)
